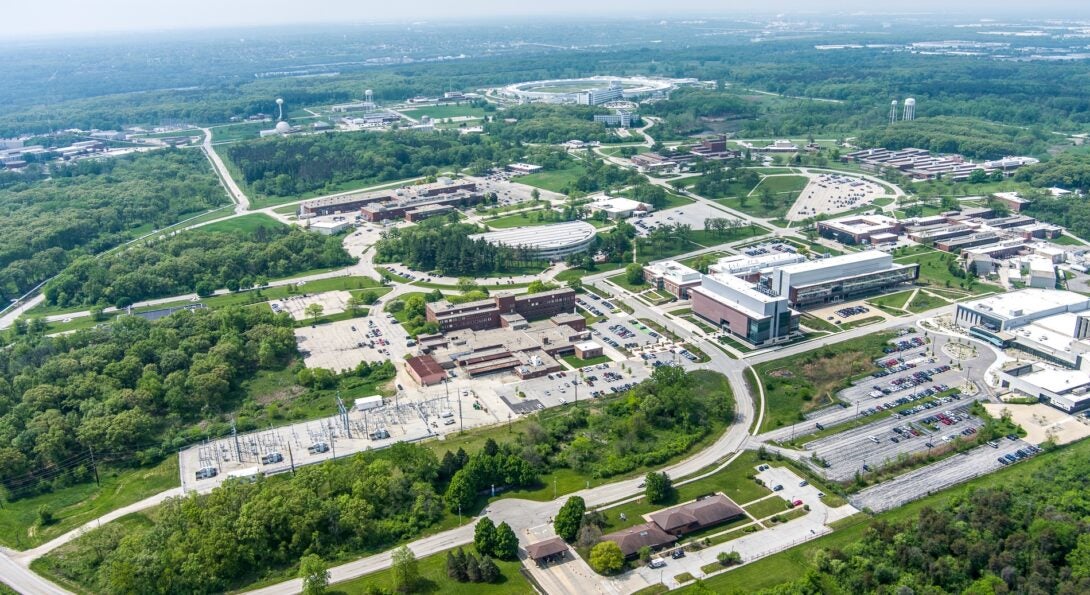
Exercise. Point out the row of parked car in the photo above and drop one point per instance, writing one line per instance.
(852, 311)
(1019, 455)
(904, 345)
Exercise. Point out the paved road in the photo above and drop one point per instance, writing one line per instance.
(237, 195)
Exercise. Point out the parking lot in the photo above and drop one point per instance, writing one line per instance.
(344, 344)
(868, 448)
(332, 302)
(509, 191)
(832, 193)
(692, 215)
(941, 474)
(589, 382)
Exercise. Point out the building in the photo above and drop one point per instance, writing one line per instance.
(622, 119)
(544, 242)
(329, 228)
(779, 146)
(409, 195)
(714, 148)
(425, 370)
(523, 168)
(529, 350)
(654, 163)
(1012, 200)
(487, 314)
(696, 515)
(416, 206)
(841, 278)
(860, 229)
(366, 403)
(637, 537)
(739, 307)
(427, 211)
(546, 550)
(1041, 273)
(1067, 390)
(618, 207)
(672, 277)
(752, 268)
(588, 350)
(1011, 310)
(920, 164)
(614, 92)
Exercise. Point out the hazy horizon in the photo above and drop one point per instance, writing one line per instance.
(81, 18)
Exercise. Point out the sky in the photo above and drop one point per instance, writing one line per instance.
(89, 17)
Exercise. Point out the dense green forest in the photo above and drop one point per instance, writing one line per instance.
(93, 205)
(688, 109)
(436, 244)
(133, 389)
(195, 261)
(552, 124)
(1028, 536)
(971, 137)
(1070, 171)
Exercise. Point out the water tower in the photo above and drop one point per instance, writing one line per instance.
(893, 112)
(910, 109)
(280, 106)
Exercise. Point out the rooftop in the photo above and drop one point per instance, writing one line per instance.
(1058, 380)
(741, 286)
(836, 261)
(617, 204)
(674, 271)
(541, 237)
(1026, 302)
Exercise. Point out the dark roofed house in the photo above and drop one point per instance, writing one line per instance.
(630, 540)
(544, 549)
(706, 512)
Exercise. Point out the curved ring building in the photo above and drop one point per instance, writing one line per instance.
(594, 90)
(546, 242)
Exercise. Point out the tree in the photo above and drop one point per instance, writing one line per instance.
(658, 487)
(606, 558)
(315, 574)
(633, 274)
(473, 568)
(489, 572)
(484, 536)
(506, 544)
(314, 311)
(729, 558)
(405, 569)
(535, 194)
(569, 518)
(645, 554)
(205, 288)
(356, 303)
(456, 565)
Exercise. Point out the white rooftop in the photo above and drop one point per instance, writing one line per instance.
(835, 261)
(743, 287)
(541, 237)
(674, 270)
(741, 263)
(1025, 302)
(862, 223)
(617, 204)
(1058, 380)
(587, 346)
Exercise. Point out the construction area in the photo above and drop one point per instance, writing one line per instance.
(332, 302)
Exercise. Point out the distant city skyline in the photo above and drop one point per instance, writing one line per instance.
(90, 17)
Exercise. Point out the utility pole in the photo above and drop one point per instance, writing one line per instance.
(333, 445)
(234, 435)
(461, 425)
(342, 411)
(291, 459)
(93, 465)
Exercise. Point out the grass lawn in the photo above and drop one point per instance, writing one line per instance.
(699, 322)
(767, 507)
(616, 151)
(579, 272)
(577, 363)
(791, 564)
(882, 202)
(935, 270)
(556, 180)
(648, 251)
(710, 238)
(924, 302)
(236, 132)
(445, 111)
(76, 505)
(753, 207)
(245, 224)
(892, 300)
(799, 383)
(783, 184)
(622, 281)
(817, 324)
(734, 482)
(672, 200)
(861, 322)
(1067, 240)
(433, 579)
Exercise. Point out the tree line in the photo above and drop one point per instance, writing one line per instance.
(194, 261)
(93, 205)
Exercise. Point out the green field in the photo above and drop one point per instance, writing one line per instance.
(236, 132)
(246, 224)
(439, 112)
(783, 184)
(616, 151)
(577, 363)
(74, 506)
(1067, 240)
(799, 383)
(622, 281)
(935, 270)
(709, 238)
(433, 579)
(556, 180)
(767, 507)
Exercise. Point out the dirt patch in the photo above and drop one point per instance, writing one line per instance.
(781, 373)
(280, 395)
(1042, 422)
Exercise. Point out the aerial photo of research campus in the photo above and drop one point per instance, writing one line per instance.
(571, 301)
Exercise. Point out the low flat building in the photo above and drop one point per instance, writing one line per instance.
(545, 550)
(841, 278)
(859, 229)
(1041, 272)
(672, 277)
(329, 228)
(425, 370)
(622, 119)
(523, 168)
(618, 207)
(1014, 309)
(487, 314)
(739, 307)
(1012, 200)
(654, 163)
(588, 350)
(956, 245)
(751, 268)
(1067, 390)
